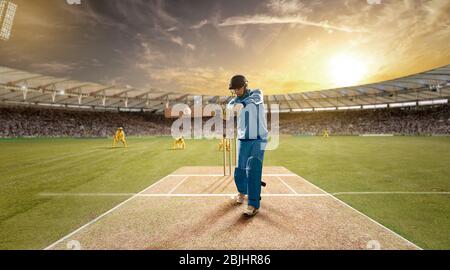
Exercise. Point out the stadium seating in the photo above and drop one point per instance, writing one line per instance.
(49, 122)
(422, 120)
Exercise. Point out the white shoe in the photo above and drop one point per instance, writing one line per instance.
(251, 211)
(238, 198)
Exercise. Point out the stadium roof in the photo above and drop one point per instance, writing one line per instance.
(20, 87)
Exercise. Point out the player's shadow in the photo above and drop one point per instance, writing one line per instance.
(110, 147)
(196, 229)
(272, 217)
(215, 185)
(242, 222)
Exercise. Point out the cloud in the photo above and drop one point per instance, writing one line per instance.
(235, 35)
(199, 24)
(213, 81)
(271, 20)
(180, 41)
(287, 6)
(405, 37)
(197, 80)
(159, 7)
(177, 40)
(89, 15)
(151, 53)
(125, 15)
(295, 86)
(55, 67)
(191, 46)
(145, 55)
(96, 63)
(395, 38)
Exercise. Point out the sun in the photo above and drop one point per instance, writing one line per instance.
(347, 70)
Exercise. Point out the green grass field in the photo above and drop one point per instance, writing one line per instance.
(338, 164)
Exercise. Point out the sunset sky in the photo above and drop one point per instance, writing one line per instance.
(195, 46)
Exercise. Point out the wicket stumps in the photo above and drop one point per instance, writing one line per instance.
(230, 159)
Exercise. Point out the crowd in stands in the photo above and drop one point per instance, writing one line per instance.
(50, 122)
(422, 120)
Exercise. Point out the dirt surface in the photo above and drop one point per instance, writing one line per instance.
(196, 212)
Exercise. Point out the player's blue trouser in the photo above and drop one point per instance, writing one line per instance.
(248, 173)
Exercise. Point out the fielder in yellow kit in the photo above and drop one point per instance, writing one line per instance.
(179, 143)
(224, 142)
(120, 136)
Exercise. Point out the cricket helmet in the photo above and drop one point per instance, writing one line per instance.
(237, 82)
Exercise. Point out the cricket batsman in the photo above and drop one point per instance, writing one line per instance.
(252, 139)
(120, 136)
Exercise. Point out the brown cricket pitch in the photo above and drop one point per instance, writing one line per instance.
(191, 209)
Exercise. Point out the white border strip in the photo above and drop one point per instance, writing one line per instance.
(371, 219)
(104, 214)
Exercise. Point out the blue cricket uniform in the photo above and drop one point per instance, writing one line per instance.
(252, 137)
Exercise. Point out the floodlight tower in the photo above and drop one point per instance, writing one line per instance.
(7, 13)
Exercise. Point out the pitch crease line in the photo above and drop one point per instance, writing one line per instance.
(288, 186)
(224, 194)
(179, 184)
(179, 195)
(217, 175)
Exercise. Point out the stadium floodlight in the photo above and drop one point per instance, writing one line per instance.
(303, 110)
(6, 18)
(285, 110)
(2, 8)
(349, 107)
(433, 102)
(325, 109)
(402, 104)
(375, 106)
(23, 86)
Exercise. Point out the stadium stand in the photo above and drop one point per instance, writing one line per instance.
(19, 121)
(420, 120)
(55, 122)
(44, 106)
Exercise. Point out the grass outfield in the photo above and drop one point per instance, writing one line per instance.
(338, 164)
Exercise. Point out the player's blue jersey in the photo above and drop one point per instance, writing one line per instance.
(252, 122)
